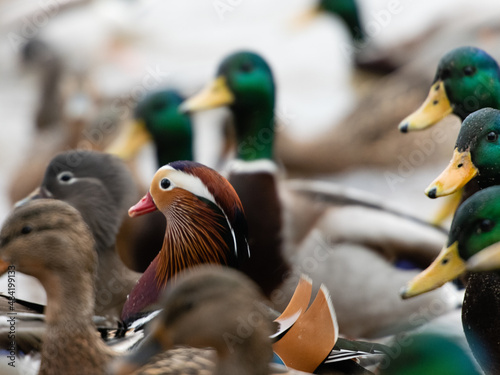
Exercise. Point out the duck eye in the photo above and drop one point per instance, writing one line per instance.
(485, 225)
(165, 183)
(492, 136)
(246, 67)
(65, 176)
(469, 70)
(26, 229)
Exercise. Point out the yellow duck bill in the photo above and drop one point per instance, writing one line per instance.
(459, 171)
(215, 94)
(128, 145)
(436, 107)
(446, 267)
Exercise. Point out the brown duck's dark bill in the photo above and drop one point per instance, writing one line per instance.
(215, 94)
(446, 267)
(144, 206)
(487, 259)
(436, 107)
(459, 172)
(134, 138)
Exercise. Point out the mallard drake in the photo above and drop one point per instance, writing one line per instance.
(474, 164)
(101, 188)
(473, 231)
(467, 79)
(150, 114)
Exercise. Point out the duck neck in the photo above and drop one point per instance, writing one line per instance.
(113, 283)
(71, 344)
(255, 130)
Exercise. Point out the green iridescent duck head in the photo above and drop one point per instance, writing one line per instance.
(244, 83)
(157, 118)
(476, 155)
(348, 11)
(467, 79)
(430, 353)
(472, 243)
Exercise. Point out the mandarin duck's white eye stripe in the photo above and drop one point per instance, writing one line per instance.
(188, 182)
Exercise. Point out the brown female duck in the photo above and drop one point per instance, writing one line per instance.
(49, 240)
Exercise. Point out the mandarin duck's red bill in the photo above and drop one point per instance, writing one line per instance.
(144, 206)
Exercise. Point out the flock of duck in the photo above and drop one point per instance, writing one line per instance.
(241, 270)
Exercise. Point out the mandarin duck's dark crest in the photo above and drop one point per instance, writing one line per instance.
(205, 224)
